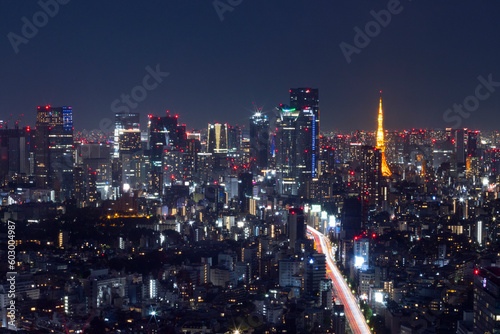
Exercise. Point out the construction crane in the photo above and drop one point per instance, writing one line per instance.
(7, 121)
(18, 121)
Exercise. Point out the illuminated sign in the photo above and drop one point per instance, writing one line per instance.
(358, 261)
(379, 297)
(316, 208)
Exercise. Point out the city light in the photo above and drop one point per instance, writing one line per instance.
(358, 261)
(327, 208)
(379, 297)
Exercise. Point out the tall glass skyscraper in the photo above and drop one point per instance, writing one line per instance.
(162, 136)
(217, 141)
(286, 150)
(127, 135)
(297, 141)
(306, 100)
(259, 141)
(54, 150)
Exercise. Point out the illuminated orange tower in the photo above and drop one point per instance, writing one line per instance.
(380, 139)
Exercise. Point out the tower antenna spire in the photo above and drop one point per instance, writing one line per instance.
(381, 140)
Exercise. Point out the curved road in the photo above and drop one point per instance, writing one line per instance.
(353, 313)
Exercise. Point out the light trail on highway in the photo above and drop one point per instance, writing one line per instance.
(354, 316)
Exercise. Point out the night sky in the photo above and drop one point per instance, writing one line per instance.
(91, 52)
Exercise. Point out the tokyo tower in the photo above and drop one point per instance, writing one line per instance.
(380, 139)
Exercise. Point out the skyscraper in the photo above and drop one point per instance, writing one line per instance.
(193, 147)
(381, 140)
(296, 230)
(486, 300)
(302, 98)
(371, 178)
(351, 217)
(15, 150)
(245, 188)
(127, 135)
(162, 136)
(234, 140)
(314, 273)
(297, 141)
(306, 100)
(286, 150)
(54, 150)
(217, 141)
(259, 141)
(167, 144)
(460, 148)
(472, 139)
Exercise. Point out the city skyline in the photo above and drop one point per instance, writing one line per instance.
(208, 69)
(232, 167)
(308, 217)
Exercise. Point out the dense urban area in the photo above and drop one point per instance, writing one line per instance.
(272, 226)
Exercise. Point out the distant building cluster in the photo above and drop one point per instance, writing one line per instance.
(167, 229)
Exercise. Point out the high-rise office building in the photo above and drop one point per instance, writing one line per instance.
(338, 319)
(162, 136)
(361, 253)
(245, 148)
(307, 146)
(314, 273)
(217, 141)
(15, 151)
(54, 150)
(85, 182)
(289, 272)
(297, 141)
(286, 150)
(352, 218)
(296, 230)
(486, 301)
(234, 140)
(306, 100)
(173, 166)
(460, 146)
(472, 139)
(181, 137)
(94, 157)
(127, 135)
(193, 147)
(371, 177)
(168, 145)
(259, 141)
(245, 188)
(326, 294)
